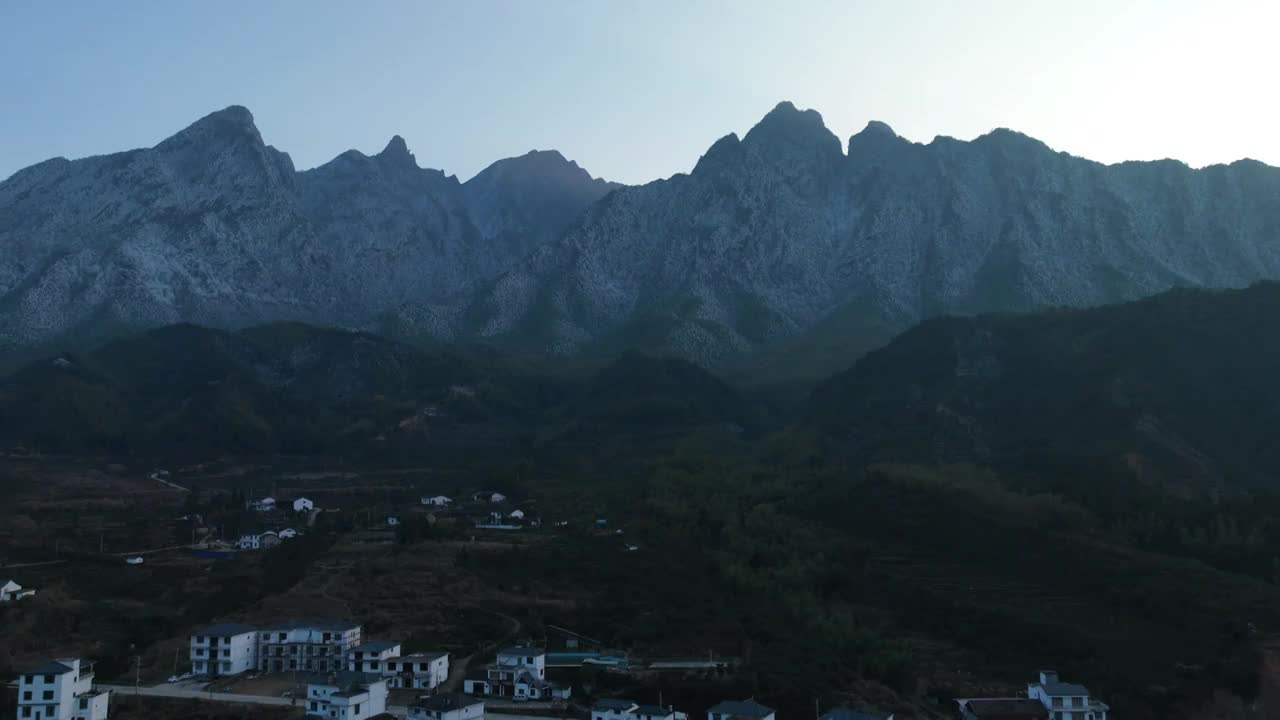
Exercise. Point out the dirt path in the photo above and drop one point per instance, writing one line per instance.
(156, 476)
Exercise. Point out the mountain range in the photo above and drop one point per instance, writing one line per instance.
(783, 246)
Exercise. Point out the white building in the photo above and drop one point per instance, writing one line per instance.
(288, 534)
(420, 671)
(1066, 701)
(303, 505)
(249, 541)
(11, 591)
(61, 690)
(447, 707)
(489, 496)
(747, 709)
(437, 500)
(370, 657)
(266, 504)
(613, 709)
(223, 649)
(516, 515)
(520, 672)
(313, 647)
(346, 695)
(620, 709)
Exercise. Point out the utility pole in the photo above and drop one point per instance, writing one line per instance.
(137, 679)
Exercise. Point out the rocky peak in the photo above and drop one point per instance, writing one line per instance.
(788, 130)
(397, 151)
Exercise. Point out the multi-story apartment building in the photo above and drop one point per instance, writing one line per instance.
(61, 690)
(224, 649)
(309, 647)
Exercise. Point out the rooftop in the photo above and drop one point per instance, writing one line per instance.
(613, 704)
(50, 668)
(742, 708)
(1005, 708)
(224, 629)
(376, 646)
(323, 626)
(448, 701)
(652, 710)
(1062, 689)
(428, 656)
(522, 650)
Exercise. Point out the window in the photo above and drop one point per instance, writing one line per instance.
(1077, 702)
(391, 666)
(1057, 702)
(422, 667)
(26, 711)
(355, 710)
(199, 652)
(282, 637)
(26, 695)
(48, 695)
(373, 665)
(84, 703)
(30, 679)
(1057, 715)
(226, 653)
(293, 664)
(48, 679)
(313, 705)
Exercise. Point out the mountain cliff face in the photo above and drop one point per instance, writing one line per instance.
(214, 226)
(780, 248)
(782, 237)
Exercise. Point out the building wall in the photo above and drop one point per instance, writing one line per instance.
(60, 700)
(305, 648)
(224, 655)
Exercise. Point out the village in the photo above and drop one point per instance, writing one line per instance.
(327, 668)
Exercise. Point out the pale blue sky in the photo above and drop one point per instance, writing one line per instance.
(638, 90)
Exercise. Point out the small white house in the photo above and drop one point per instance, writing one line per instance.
(288, 534)
(516, 515)
(419, 671)
(61, 690)
(447, 707)
(303, 505)
(249, 541)
(370, 657)
(346, 695)
(489, 496)
(437, 500)
(392, 520)
(266, 504)
(1063, 699)
(135, 560)
(11, 591)
(223, 649)
(613, 709)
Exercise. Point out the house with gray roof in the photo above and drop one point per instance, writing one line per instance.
(345, 694)
(1066, 701)
(747, 709)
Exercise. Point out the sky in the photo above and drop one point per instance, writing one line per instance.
(636, 90)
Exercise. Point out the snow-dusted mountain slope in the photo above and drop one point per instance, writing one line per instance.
(213, 226)
(783, 235)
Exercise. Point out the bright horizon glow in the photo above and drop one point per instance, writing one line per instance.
(638, 91)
